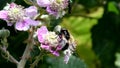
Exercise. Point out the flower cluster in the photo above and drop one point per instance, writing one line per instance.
(55, 43)
(22, 17)
(54, 7)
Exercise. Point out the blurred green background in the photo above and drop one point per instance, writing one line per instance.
(95, 25)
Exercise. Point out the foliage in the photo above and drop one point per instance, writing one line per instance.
(95, 25)
(74, 63)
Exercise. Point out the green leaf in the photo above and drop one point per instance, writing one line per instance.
(112, 7)
(74, 62)
(13, 0)
(105, 39)
(30, 2)
(117, 62)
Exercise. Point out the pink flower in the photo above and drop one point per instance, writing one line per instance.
(55, 43)
(48, 40)
(16, 15)
(54, 7)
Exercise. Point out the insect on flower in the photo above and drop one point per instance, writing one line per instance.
(56, 41)
(65, 36)
(66, 42)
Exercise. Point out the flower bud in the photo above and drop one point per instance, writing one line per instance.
(4, 33)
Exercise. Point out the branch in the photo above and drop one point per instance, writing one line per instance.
(38, 58)
(25, 56)
(8, 56)
(27, 51)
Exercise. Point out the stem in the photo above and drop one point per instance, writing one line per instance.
(26, 53)
(38, 58)
(9, 57)
(25, 56)
(5, 52)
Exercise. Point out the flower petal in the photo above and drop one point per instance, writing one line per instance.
(55, 53)
(51, 12)
(41, 32)
(12, 5)
(31, 11)
(9, 24)
(46, 47)
(67, 53)
(3, 15)
(43, 3)
(31, 22)
(66, 58)
(22, 26)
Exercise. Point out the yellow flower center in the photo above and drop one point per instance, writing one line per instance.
(15, 10)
